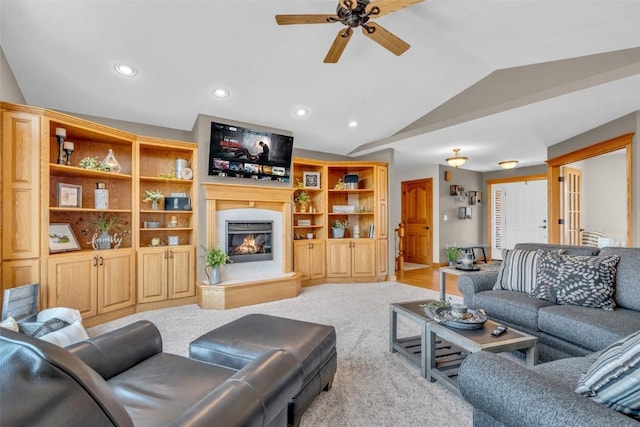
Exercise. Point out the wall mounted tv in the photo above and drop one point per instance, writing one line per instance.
(246, 153)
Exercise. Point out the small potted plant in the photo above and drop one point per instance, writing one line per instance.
(453, 252)
(213, 259)
(337, 227)
(302, 198)
(103, 224)
(153, 196)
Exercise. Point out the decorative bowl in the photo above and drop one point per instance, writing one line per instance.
(473, 319)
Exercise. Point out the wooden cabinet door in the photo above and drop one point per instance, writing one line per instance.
(73, 283)
(152, 275)
(301, 262)
(181, 267)
(115, 280)
(338, 258)
(317, 259)
(20, 186)
(363, 258)
(383, 257)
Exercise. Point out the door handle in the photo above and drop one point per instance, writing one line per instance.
(426, 228)
(95, 261)
(542, 226)
(101, 261)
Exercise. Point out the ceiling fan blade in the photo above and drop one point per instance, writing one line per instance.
(385, 38)
(338, 46)
(304, 19)
(388, 6)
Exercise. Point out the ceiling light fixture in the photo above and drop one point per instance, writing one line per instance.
(126, 70)
(508, 164)
(353, 124)
(220, 92)
(302, 112)
(457, 160)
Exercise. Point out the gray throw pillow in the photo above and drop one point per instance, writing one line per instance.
(587, 281)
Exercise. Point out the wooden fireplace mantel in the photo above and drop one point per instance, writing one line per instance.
(232, 196)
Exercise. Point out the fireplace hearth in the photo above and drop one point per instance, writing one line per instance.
(249, 241)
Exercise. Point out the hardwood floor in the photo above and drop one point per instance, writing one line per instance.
(429, 278)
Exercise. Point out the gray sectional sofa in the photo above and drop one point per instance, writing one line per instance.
(563, 330)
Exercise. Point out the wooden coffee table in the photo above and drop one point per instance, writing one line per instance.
(439, 349)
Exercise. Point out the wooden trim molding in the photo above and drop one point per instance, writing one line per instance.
(553, 172)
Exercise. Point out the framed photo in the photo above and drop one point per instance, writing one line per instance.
(455, 190)
(311, 179)
(473, 197)
(62, 239)
(69, 196)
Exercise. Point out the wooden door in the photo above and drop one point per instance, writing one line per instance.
(152, 275)
(115, 280)
(317, 258)
(73, 283)
(363, 262)
(181, 266)
(572, 206)
(338, 258)
(417, 207)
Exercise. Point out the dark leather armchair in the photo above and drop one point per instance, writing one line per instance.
(122, 378)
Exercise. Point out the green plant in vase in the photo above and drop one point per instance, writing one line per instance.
(153, 196)
(453, 252)
(104, 223)
(302, 199)
(338, 226)
(214, 258)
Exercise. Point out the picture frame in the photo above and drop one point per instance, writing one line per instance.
(455, 190)
(311, 179)
(61, 238)
(473, 198)
(462, 213)
(69, 196)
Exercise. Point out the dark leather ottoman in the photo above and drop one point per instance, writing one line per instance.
(242, 340)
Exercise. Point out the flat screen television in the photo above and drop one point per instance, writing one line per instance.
(247, 153)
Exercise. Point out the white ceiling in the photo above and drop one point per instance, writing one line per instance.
(63, 52)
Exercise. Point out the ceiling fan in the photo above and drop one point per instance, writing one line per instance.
(353, 14)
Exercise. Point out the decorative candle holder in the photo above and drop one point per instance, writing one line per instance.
(68, 147)
(61, 134)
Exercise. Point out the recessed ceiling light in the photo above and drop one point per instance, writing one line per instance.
(221, 92)
(126, 70)
(353, 124)
(302, 112)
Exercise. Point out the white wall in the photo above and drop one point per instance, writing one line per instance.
(9, 89)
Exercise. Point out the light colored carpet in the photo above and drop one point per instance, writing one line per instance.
(373, 387)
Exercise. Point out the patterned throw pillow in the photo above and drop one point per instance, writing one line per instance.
(517, 271)
(590, 238)
(588, 281)
(614, 379)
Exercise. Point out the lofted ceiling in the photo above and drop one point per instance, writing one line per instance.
(501, 79)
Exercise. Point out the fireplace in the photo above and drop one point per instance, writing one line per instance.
(248, 241)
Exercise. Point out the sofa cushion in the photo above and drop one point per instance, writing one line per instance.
(578, 280)
(614, 379)
(517, 271)
(627, 276)
(515, 307)
(587, 327)
(590, 238)
(562, 249)
(566, 372)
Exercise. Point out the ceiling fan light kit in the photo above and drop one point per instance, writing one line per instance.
(508, 164)
(457, 160)
(353, 14)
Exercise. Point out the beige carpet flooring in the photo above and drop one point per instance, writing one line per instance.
(373, 387)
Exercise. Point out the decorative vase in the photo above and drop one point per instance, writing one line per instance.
(303, 207)
(154, 205)
(467, 260)
(338, 233)
(213, 275)
(104, 241)
(452, 263)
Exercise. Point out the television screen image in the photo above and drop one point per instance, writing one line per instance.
(246, 153)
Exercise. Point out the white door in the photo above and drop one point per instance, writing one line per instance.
(519, 214)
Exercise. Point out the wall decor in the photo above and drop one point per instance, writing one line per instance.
(462, 213)
(69, 196)
(455, 190)
(447, 175)
(475, 197)
(62, 239)
(311, 179)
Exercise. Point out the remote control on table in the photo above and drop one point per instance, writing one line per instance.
(501, 329)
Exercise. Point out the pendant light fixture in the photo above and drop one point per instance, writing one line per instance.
(508, 164)
(457, 160)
